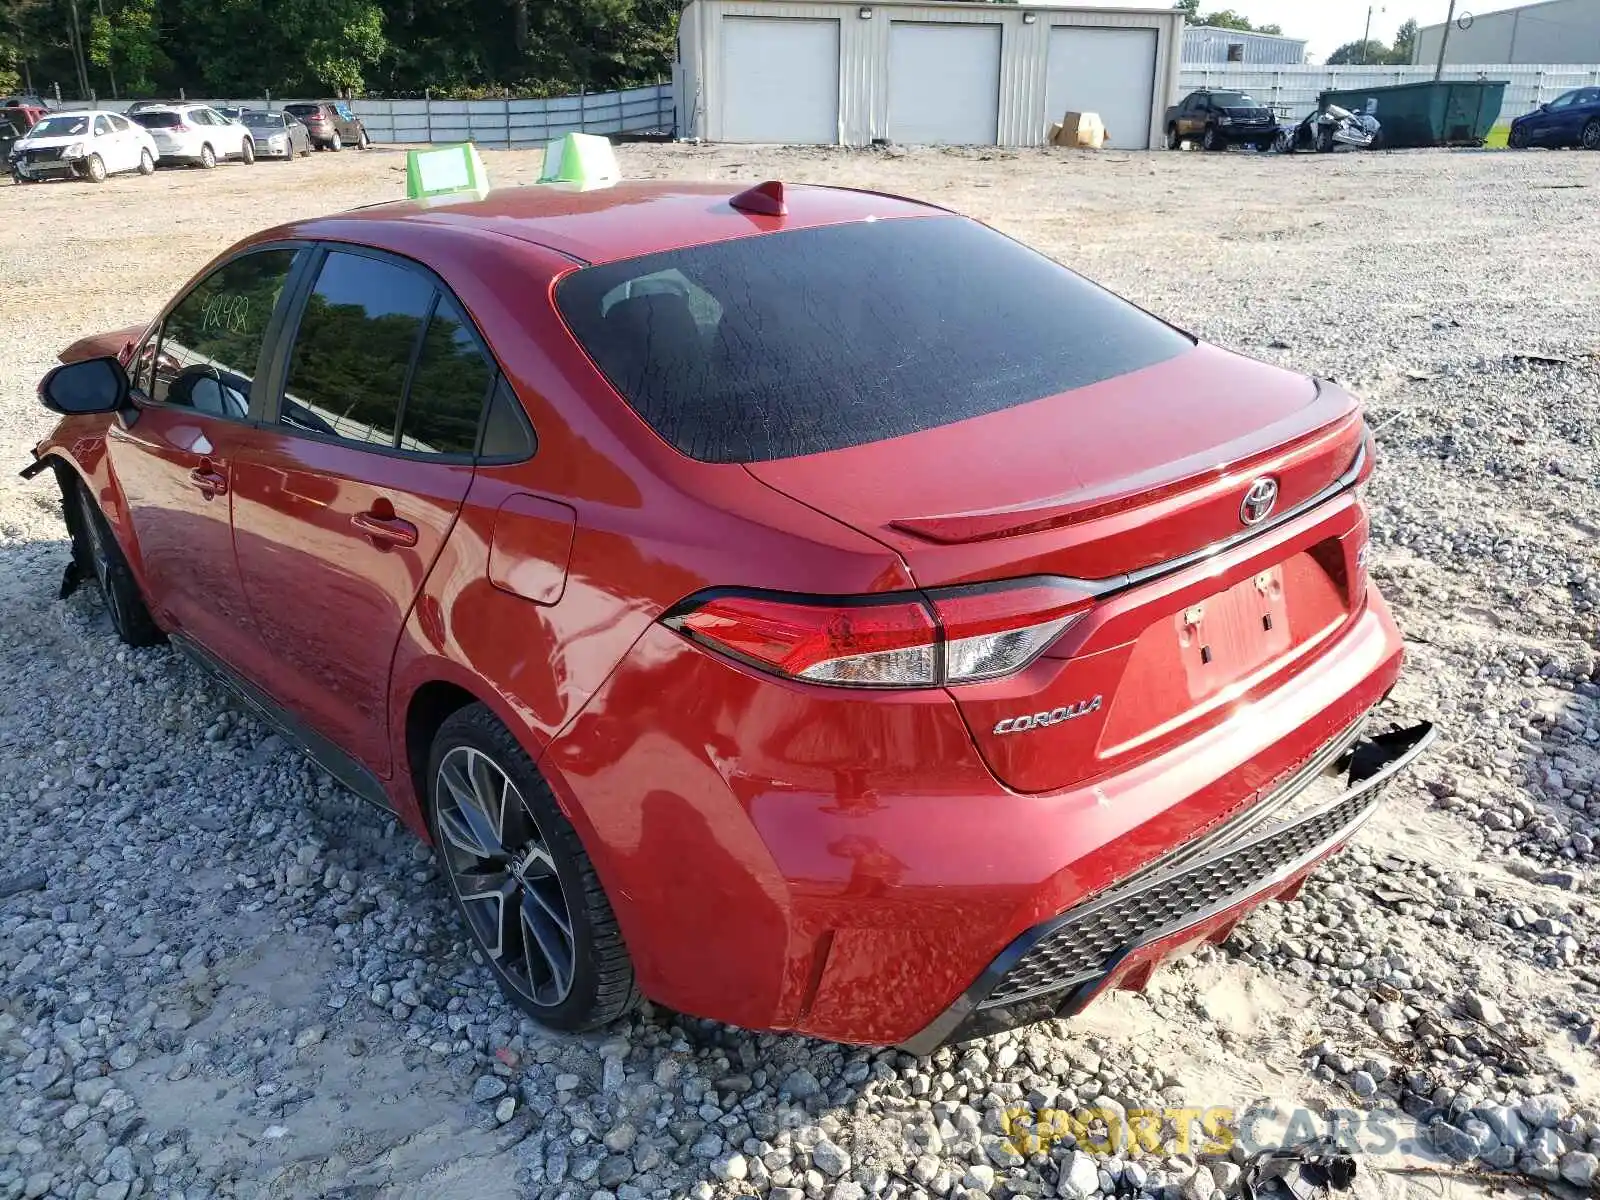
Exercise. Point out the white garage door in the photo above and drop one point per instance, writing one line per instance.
(1107, 71)
(780, 80)
(944, 83)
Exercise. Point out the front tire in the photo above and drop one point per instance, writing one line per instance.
(147, 165)
(1211, 139)
(1591, 135)
(1518, 139)
(247, 152)
(520, 878)
(94, 169)
(208, 158)
(98, 557)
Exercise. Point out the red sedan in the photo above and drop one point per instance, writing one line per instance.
(808, 608)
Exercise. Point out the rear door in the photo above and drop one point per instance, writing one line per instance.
(343, 502)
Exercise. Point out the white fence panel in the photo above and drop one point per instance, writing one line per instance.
(494, 123)
(1294, 89)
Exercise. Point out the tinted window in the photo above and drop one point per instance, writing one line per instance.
(262, 120)
(158, 120)
(448, 387)
(354, 346)
(505, 433)
(209, 343)
(796, 343)
(301, 110)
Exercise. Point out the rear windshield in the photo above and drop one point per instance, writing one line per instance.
(303, 110)
(261, 118)
(802, 342)
(157, 120)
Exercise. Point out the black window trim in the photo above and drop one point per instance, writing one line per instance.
(298, 292)
(157, 329)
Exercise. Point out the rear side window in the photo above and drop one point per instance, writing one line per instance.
(448, 388)
(354, 346)
(799, 343)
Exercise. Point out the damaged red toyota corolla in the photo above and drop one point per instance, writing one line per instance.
(809, 609)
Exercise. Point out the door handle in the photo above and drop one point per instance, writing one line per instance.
(209, 480)
(385, 529)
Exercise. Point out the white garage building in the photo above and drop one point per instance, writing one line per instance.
(915, 71)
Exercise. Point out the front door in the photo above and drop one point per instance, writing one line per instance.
(341, 506)
(194, 394)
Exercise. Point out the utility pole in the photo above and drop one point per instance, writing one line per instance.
(1444, 41)
(77, 48)
(1366, 38)
(112, 71)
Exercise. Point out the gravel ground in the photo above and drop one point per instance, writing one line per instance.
(224, 977)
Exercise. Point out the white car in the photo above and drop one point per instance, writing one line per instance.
(88, 144)
(196, 133)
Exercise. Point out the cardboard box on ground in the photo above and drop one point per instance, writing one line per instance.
(1079, 130)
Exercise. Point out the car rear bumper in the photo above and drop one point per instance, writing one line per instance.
(1118, 938)
(782, 859)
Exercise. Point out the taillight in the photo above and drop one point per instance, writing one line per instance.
(905, 640)
(180, 127)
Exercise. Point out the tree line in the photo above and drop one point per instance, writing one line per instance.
(395, 48)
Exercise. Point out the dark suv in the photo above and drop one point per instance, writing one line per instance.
(331, 123)
(1220, 119)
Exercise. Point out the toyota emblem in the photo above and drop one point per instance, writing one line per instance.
(1258, 500)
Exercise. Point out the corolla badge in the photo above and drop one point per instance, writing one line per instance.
(1055, 716)
(1258, 500)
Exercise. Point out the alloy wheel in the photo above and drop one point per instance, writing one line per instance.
(504, 876)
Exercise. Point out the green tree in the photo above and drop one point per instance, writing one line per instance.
(1356, 53)
(1405, 44)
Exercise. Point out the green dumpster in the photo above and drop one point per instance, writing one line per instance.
(1446, 113)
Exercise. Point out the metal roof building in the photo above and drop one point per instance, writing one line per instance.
(1558, 31)
(1205, 44)
(854, 72)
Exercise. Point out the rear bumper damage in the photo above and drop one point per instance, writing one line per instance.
(1199, 892)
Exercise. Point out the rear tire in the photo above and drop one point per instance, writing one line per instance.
(335, 144)
(362, 141)
(1591, 135)
(99, 558)
(537, 912)
(1174, 140)
(247, 152)
(147, 165)
(94, 169)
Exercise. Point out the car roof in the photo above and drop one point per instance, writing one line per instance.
(603, 224)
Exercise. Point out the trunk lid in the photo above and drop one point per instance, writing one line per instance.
(1111, 483)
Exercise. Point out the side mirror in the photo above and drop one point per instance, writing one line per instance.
(93, 385)
(1544, 108)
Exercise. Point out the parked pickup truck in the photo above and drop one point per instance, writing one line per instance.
(1220, 119)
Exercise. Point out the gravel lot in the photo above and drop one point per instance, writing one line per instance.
(237, 981)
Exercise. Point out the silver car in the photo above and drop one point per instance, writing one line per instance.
(276, 136)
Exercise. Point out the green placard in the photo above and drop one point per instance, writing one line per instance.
(445, 171)
(583, 160)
